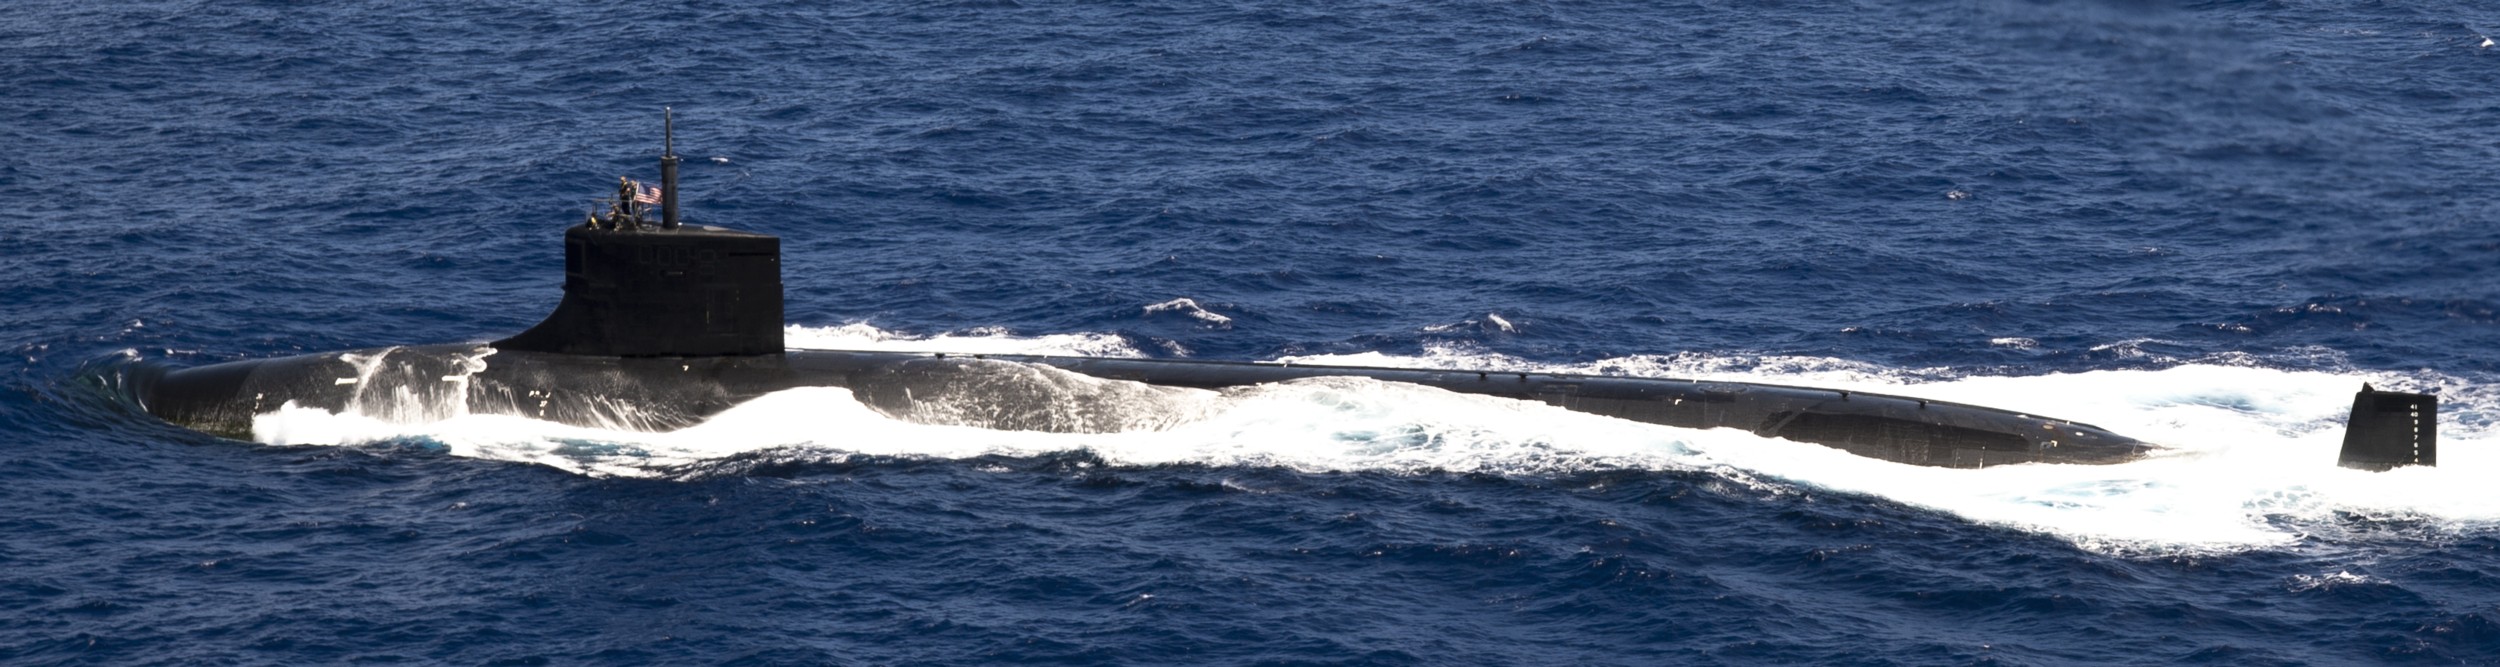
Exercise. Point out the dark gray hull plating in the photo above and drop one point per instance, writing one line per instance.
(1025, 392)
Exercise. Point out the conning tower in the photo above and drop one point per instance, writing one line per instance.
(633, 289)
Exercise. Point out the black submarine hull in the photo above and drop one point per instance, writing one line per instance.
(1052, 393)
(664, 325)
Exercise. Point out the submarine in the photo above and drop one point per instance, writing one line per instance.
(663, 324)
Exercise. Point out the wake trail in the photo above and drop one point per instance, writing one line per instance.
(2248, 460)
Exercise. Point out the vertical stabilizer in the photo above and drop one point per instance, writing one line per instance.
(2390, 429)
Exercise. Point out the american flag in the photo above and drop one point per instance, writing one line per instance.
(646, 194)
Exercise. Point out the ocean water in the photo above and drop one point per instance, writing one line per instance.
(2199, 224)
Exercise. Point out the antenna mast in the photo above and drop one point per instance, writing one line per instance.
(668, 168)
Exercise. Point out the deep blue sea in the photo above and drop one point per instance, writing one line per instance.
(2202, 224)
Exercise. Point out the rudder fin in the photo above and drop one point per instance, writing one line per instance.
(2389, 430)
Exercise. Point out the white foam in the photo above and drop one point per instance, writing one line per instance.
(1190, 306)
(988, 340)
(1490, 322)
(2250, 459)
